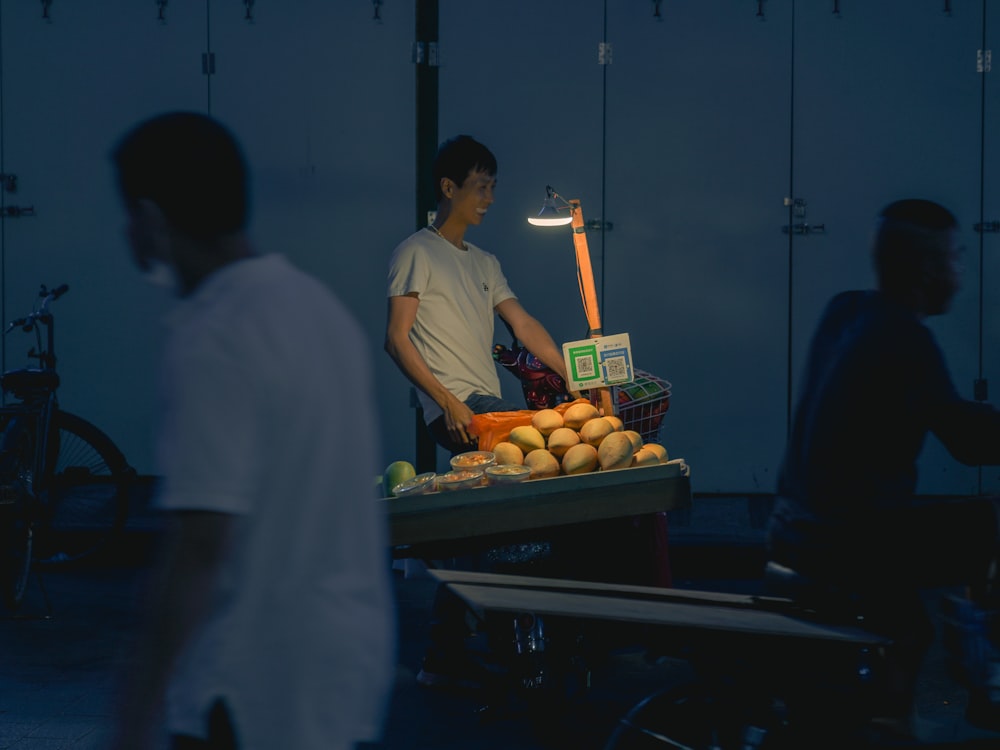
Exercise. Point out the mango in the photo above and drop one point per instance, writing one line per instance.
(527, 438)
(561, 440)
(508, 453)
(615, 452)
(645, 457)
(618, 425)
(578, 413)
(542, 464)
(594, 431)
(580, 459)
(659, 450)
(546, 420)
(636, 439)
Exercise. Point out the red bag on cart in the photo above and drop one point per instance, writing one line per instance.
(494, 427)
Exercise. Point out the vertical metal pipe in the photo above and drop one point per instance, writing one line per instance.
(982, 184)
(426, 147)
(789, 375)
(604, 163)
(208, 51)
(979, 389)
(3, 222)
(427, 105)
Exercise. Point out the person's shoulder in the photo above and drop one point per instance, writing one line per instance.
(842, 310)
(416, 244)
(852, 302)
(852, 297)
(419, 239)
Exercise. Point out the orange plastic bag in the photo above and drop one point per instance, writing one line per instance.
(494, 426)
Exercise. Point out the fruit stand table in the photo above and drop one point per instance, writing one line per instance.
(444, 524)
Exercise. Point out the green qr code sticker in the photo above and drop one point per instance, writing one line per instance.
(583, 362)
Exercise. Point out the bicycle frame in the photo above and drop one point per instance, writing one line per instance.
(36, 420)
(35, 389)
(64, 480)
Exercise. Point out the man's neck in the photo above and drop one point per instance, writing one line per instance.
(449, 227)
(912, 300)
(205, 258)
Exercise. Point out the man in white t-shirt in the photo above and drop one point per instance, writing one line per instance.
(271, 620)
(443, 295)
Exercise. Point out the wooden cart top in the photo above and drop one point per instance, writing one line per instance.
(537, 504)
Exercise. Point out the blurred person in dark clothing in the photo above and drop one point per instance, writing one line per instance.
(875, 385)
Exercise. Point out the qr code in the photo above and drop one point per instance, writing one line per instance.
(617, 369)
(585, 367)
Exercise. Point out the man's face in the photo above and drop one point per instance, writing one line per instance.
(140, 239)
(942, 275)
(148, 238)
(471, 200)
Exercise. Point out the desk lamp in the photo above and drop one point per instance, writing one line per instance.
(557, 211)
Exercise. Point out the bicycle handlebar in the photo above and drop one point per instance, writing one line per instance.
(56, 293)
(40, 313)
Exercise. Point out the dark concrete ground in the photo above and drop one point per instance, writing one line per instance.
(59, 654)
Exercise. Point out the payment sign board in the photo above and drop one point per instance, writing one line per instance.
(597, 362)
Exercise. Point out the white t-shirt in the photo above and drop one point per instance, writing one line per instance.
(459, 291)
(268, 413)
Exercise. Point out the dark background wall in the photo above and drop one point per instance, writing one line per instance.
(735, 153)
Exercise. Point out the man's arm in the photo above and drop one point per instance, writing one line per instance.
(532, 335)
(179, 597)
(970, 430)
(401, 316)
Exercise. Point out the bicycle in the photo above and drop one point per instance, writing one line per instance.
(64, 484)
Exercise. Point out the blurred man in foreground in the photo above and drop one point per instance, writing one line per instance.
(270, 621)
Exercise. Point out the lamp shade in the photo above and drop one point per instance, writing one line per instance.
(550, 215)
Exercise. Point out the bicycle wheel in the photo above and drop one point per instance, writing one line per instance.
(693, 717)
(16, 533)
(85, 493)
(677, 717)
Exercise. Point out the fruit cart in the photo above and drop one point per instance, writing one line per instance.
(446, 524)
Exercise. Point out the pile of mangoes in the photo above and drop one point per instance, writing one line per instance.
(576, 441)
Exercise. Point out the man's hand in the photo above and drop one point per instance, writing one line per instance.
(458, 419)
(178, 600)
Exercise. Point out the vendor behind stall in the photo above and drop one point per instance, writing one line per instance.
(443, 292)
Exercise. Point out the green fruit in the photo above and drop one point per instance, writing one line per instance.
(396, 472)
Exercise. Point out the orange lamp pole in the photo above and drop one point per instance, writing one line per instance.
(588, 292)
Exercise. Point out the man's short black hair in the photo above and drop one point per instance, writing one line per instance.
(190, 166)
(907, 233)
(457, 157)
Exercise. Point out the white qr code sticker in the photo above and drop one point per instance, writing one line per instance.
(616, 369)
(585, 367)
